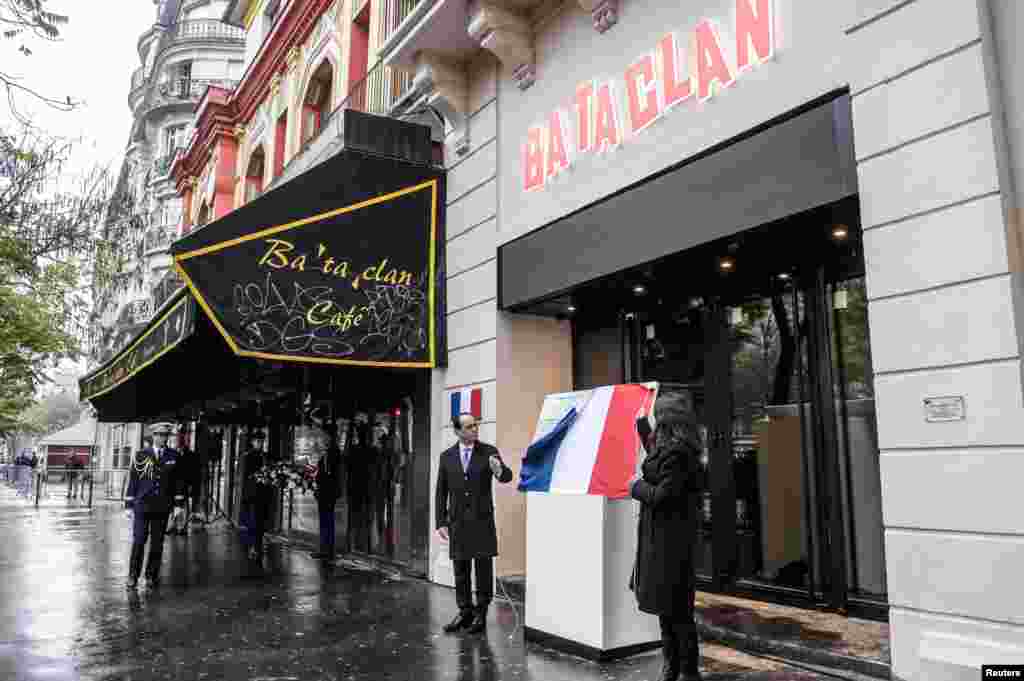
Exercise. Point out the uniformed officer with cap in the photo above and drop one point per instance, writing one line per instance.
(153, 484)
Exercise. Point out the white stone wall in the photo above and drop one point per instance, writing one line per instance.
(935, 194)
(472, 226)
(942, 323)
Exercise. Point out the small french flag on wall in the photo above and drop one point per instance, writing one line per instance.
(468, 400)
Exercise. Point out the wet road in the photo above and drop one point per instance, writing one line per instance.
(65, 615)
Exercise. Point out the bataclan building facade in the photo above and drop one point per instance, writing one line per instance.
(805, 214)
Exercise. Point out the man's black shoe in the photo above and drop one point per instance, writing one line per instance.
(479, 623)
(461, 621)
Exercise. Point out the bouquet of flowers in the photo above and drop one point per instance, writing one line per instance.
(286, 477)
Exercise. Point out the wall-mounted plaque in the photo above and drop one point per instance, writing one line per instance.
(942, 409)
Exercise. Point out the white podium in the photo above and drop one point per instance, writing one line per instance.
(579, 556)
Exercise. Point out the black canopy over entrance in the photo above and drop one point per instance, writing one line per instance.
(342, 266)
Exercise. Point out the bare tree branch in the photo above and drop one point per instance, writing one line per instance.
(20, 19)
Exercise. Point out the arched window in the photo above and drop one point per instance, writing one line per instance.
(317, 102)
(254, 175)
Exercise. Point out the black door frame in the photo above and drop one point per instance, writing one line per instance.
(824, 431)
(827, 534)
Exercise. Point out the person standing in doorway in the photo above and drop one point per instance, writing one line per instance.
(465, 519)
(71, 468)
(188, 476)
(664, 580)
(256, 496)
(328, 489)
(152, 490)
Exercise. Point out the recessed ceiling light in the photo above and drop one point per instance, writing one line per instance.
(726, 263)
(571, 308)
(639, 289)
(840, 232)
(784, 276)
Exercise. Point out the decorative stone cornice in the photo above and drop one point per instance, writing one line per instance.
(507, 35)
(443, 85)
(293, 56)
(605, 13)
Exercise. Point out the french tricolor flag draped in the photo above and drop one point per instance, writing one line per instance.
(468, 401)
(594, 448)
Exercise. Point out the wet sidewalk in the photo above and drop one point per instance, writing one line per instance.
(65, 615)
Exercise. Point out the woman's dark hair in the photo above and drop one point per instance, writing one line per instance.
(676, 422)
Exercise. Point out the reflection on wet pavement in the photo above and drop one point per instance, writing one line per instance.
(824, 631)
(65, 615)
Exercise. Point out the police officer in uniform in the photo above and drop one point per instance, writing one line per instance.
(465, 519)
(152, 487)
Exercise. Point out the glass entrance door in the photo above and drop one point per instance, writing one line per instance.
(768, 331)
(746, 367)
(781, 379)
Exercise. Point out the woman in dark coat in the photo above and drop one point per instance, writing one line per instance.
(663, 577)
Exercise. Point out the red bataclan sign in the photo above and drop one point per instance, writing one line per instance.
(654, 84)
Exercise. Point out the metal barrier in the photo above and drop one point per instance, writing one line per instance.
(21, 478)
(56, 482)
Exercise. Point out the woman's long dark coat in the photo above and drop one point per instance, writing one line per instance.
(663, 578)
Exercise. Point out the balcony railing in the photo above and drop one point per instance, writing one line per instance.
(159, 238)
(141, 311)
(395, 12)
(192, 88)
(162, 164)
(134, 312)
(374, 94)
(207, 29)
(170, 283)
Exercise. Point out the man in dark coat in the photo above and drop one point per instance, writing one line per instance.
(328, 489)
(465, 518)
(664, 579)
(152, 490)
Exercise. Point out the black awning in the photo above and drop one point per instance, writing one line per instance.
(175, 359)
(343, 265)
(169, 327)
